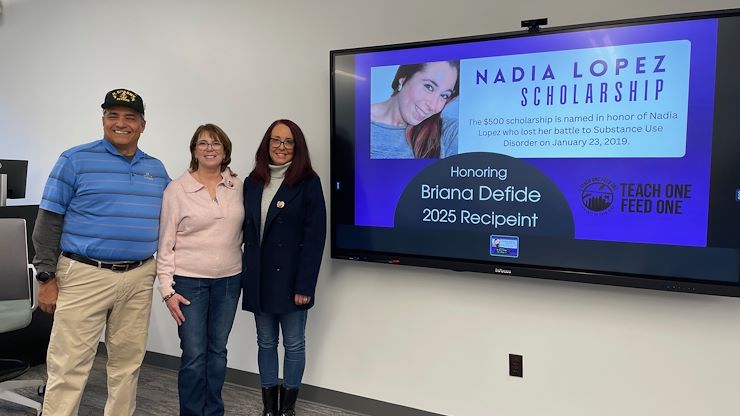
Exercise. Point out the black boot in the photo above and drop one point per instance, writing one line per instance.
(287, 401)
(270, 401)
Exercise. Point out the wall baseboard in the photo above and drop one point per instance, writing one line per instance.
(311, 393)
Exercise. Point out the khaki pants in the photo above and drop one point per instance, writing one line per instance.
(90, 299)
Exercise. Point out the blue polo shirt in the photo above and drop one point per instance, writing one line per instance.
(110, 204)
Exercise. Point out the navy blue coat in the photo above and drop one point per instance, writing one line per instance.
(288, 260)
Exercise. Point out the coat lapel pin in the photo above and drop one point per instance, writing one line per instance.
(280, 204)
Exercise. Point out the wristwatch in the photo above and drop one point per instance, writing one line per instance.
(44, 277)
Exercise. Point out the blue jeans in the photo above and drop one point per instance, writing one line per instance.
(203, 336)
(293, 325)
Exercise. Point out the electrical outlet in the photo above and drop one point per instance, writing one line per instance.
(516, 367)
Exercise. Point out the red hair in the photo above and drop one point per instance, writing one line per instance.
(300, 167)
(424, 138)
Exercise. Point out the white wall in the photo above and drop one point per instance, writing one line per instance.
(429, 339)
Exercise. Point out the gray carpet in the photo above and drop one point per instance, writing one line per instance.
(157, 395)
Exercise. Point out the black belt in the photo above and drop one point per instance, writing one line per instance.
(116, 267)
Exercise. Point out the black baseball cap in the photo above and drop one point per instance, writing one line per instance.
(123, 98)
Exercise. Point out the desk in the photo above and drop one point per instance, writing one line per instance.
(31, 342)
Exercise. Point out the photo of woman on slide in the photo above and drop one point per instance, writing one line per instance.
(411, 123)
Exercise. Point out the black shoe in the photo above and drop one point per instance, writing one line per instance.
(287, 401)
(270, 401)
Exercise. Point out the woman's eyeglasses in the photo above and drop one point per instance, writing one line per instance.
(214, 145)
(289, 143)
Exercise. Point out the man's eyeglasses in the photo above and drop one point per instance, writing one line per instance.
(214, 145)
(289, 143)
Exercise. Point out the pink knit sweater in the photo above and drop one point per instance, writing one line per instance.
(198, 236)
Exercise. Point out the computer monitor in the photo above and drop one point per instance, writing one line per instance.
(16, 179)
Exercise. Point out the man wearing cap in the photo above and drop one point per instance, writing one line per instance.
(95, 235)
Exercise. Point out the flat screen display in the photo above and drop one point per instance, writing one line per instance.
(603, 153)
(16, 171)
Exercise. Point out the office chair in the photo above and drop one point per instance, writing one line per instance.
(17, 303)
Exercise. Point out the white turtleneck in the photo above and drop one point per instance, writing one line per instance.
(277, 174)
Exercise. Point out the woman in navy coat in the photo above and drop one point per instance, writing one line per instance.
(284, 235)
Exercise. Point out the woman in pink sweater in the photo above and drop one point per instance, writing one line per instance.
(199, 266)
